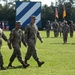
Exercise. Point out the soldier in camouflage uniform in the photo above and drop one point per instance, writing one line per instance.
(71, 29)
(2, 35)
(60, 28)
(48, 28)
(65, 31)
(56, 29)
(16, 36)
(31, 34)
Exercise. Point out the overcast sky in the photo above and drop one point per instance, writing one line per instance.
(48, 2)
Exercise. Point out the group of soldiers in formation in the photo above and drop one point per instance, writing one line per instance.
(28, 38)
(60, 28)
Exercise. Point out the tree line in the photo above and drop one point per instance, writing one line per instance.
(49, 12)
(8, 12)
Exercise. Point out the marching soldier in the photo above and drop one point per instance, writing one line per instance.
(2, 35)
(16, 36)
(56, 29)
(31, 34)
(71, 29)
(65, 31)
(60, 28)
(48, 28)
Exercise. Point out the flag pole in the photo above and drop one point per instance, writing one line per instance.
(56, 11)
(64, 12)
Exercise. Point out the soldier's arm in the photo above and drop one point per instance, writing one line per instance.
(73, 27)
(26, 33)
(4, 37)
(11, 36)
(58, 25)
(50, 26)
(68, 28)
(39, 37)
(23, 40)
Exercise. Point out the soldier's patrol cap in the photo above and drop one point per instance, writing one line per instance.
(18, 23)
(65, 21)
(48, 21)
(33, 17)
(71, 21)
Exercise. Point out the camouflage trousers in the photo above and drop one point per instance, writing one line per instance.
(48, 33)
(65, 35)
(16, 53)
(31, 51)
(71, 33)
(1, 59)
(55, 33)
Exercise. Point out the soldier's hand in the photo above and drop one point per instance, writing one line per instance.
(9, 46)
(41, 40)
(25, 44)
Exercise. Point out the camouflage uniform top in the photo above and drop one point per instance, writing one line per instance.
(48, 26)
(2, 35)
(31, 32)
(56, 26)
(71, 26)
(65, 28)
(16, 36)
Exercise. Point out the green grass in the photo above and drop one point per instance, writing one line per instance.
(59, 58)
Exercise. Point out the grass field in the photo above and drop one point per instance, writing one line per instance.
(59, 58)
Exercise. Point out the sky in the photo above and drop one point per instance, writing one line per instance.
(48, 2)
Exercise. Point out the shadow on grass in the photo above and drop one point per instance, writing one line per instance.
(73, 43)
(48, 37)
(64, 43)
(16, 67)
(52, 37)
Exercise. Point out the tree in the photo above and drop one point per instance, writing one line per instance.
(63, 1)
(68, 6)
(8, 12)
(47, 14)
(73, 14)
